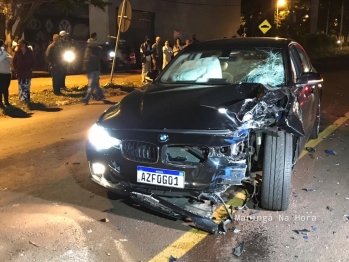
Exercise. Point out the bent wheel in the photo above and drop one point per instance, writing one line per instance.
(277, 171)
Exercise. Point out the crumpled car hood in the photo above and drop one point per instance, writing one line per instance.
(196, 107)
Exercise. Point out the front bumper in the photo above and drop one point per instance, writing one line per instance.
(213, 174)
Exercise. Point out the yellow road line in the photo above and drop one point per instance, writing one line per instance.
(330, 129)
(194, 236)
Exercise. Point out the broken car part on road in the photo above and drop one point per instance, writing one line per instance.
(220, 112)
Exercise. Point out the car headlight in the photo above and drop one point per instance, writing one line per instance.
(100, 138)
(69, 56)
(112, 54)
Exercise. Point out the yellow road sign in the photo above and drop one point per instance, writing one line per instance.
(264, 26)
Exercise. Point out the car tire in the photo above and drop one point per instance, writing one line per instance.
(277, 171)
(316, 129)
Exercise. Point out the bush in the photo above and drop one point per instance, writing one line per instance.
(316, 45)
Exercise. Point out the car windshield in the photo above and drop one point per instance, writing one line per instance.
(227, 66)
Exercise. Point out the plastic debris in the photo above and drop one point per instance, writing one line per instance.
(314, 228)
(34, 244)
(305, 237)
(310, 149)
(239, 249)
(123, 240)
(287, 246)
(337, 164)
(329, 208)
(254, 212)
(301, 231)
(106, 220)
(235, 230)
(89, 231)
(108, 254)
(330, 152)
(172, 259)
(222, 227)
(308, 189)
(347, 198)
(312, 156)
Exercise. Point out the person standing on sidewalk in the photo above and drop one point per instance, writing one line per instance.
(167, 54)
(23, 64)
(146, 52)
(65, 45)
(92, 59)
(157, 54)
(54, 58)
(5, 74)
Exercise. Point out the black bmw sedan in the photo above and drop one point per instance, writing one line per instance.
(220, 114)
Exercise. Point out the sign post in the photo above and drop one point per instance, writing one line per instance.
(124, 21)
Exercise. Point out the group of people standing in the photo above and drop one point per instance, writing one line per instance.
(23, 62)
(154, 57)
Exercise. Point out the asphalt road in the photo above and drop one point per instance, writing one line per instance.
(50, 211)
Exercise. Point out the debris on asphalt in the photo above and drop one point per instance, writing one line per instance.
(235, 230)
(312, 156)
(337, 164)
(222, 227)
(330, 152)
(301, 231)
(254, 212)
(305, 237)
(239, 249)
(34, 244)
(320, 181)
(92, 196)
(66, 163)
(15, 205)
(55, 204)
(4, 189)
(347, 198)
(334, 232)
(329, 208)
(314, 228)
(108, 254)
(308, 189)
(310, 149)
(172, 259)
(89, 231)
(288, 246)
(110, 210)
(294, 193)
(123, 240)
(76, 163)
(337, 194)
(106, 220)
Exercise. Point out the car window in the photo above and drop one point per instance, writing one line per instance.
(305, 64)
(238, 65)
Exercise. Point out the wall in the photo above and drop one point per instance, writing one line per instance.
(206, 18)
(99, 23)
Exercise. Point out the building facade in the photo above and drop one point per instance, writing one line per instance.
(170, 19)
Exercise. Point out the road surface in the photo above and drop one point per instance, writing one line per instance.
(50, 211)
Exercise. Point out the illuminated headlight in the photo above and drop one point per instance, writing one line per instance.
(112, 54)
(100, 138)
(69, 56)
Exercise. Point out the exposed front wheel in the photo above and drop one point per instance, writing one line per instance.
(277, 170)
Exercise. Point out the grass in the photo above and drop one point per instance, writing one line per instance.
(46, 101)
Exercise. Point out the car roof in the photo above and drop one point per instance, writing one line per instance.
(244, 41)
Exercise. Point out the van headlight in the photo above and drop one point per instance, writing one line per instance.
(100, 138)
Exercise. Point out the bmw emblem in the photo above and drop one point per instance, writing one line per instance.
(163, 137)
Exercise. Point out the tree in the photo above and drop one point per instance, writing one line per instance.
(19, 12)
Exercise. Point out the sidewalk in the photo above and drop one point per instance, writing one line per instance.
(42, 83)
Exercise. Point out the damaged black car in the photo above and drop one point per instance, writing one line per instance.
(218, 114)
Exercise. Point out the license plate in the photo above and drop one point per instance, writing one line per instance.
(160, 177)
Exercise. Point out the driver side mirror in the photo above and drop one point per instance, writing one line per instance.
(310, 78)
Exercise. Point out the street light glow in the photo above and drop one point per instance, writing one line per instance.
(281, 2)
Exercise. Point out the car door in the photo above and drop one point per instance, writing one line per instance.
(305, 92)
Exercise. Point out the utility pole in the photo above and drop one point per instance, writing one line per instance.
(341, 26)
(314, 13)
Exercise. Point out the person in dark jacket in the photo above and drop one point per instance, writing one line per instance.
(146, 52)
(23, 64)
(54, 58)
(91, 65)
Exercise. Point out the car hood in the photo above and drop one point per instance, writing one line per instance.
(206, 107)
(177, 107)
